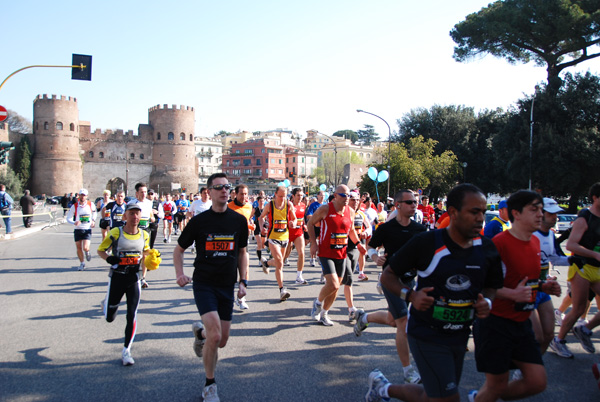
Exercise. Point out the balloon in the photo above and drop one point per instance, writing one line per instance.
(383, 176)
(372, 172)
(286, 183)
(325, 197)
(322, 187)
(280, 184)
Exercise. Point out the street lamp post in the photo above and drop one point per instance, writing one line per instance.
(389, 147)
(531, 135)
(334, 156)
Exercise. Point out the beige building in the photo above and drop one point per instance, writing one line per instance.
(209, 152)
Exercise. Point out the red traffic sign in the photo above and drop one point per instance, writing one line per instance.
(3, 113)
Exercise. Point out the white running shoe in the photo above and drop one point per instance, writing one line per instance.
(81, 266)
(197, 328)
(286, 262)
(242, 303)
(284, 294)
(322, 280)
(379, 288)
(558, 317)
(301, 281)
(312, 262)
(560, 348)
(126, 357)
(88, 255)
(209, 394)
(265, 265)
(315, 313)
(412, 377)
(376, 381)
(325, 319)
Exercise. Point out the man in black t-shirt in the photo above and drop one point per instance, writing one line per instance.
(458, 274)
(392, 235)
(221, 237)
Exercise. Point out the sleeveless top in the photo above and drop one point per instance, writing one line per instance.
(333, 240)
(299, 231)
(278, 222)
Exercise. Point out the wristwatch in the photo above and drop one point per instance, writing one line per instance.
(405, 293)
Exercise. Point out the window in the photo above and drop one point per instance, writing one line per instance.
(131, 156)
(237, 151)
(287, 160)
(158, 136)
(182, 137)
(228, 162)
(170, 136)
(287, 170)
(294, 159)
(258, 162)
(280, 161)
(201, 159)
(273, 161)
(262, 150)
(101, 155)
(247, 171)
(59, 125)
(91, 154)
(303, 159)
(72, 127)
(280, 171)
(273, 171)
(294, 169)
(141, 156)
(191, 137)
(45, 125)
(247, 162)
(267, 160)
(257, 172)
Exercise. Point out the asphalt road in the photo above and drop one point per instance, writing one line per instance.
(57, 346)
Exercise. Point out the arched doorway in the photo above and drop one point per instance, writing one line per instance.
(116, 184)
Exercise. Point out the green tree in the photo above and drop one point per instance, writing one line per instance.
(367, 135)
(23, 160)
(18, 124)
(13, 184)
(347, 134)
(554, 33)
(333, 166)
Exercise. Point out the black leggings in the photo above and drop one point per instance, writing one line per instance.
(119, 285)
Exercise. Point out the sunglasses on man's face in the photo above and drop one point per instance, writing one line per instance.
(409, 202)
(220, 187)
(344, 195)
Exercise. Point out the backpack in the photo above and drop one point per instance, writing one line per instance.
(4, 204)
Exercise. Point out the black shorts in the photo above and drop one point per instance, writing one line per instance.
(352, 260)
(211, 298)
(440, 366)
(499, 341)
(396, 306)
(82, 234)
(333, 266)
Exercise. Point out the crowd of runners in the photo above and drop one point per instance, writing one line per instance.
(442, 274)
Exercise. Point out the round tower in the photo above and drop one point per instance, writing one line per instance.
(173, 154)
(56, 166)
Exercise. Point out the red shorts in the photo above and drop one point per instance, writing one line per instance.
(294, 234)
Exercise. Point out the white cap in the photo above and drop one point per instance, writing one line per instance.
(133, 204)
(83, 191)
(551, 206)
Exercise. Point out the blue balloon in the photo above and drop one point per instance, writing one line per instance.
(286, 183)
(383, 176)
(372, 172)
(280, 184)
(322, 187)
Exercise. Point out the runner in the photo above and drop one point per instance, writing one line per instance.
(183, 207)
(337, 224)
(312, 208)
(457, 271)
(169, 208)
(221, 236)
(82, 214)
(498, 223)
(114, 211)
(128, 245)
(371, 213)
(392, 235)
(261, 229)
(104, 218)
(241, 206)
(506, 340)
(280, 213)
(297, 235)
(584, 274)
(200, 205)
(141, 194)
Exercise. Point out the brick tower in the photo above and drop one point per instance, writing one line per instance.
(173, 154)
(56, 165)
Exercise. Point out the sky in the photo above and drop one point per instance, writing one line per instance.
(254, 65)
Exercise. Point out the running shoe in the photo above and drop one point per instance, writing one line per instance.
(360, 326)
(301, 281)
(581, 321)
(596, 372)
(209, 393)
(81, 266)
(284, 294)
(265, 265)
(352, 314)
(558, 317)
(165, 240)
(362, 277)
(376, 382)
(242, 303)
(312, 262)
(88, 255)
(144, 283)
(584, 335)
(315, 314)
(197, 328)
(325, 319)
(560, 348)
(379, 288)
(472, 395)
(322, 280)
(126, 357)
(286, 262)
(412, 376)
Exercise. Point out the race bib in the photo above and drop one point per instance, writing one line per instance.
(118, 217)
(219, 245)
(453, 314)
(530, 305)
(106, 214)
(84, 218)
(129, 259)
(338, 240)
(279, 226)
(143, 223)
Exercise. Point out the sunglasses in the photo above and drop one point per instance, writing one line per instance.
(220, 187)
(409, 202)
(344, 195)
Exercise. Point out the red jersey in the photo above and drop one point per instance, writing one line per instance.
(428, 213)
(299, 231)
(520, 259)
(333, 240)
